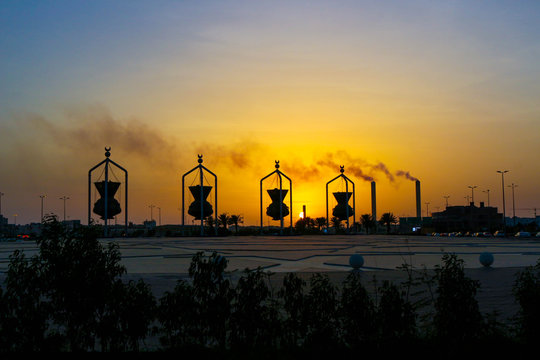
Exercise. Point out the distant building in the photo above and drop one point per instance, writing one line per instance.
(467, 218)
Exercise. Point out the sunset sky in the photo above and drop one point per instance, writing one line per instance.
(448, 91)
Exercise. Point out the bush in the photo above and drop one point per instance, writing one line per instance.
(527, 293)
(70, 294)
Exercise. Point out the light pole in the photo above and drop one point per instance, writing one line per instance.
(502, 172)
(468, 200)
(64, 198)
(151, 211)
(472, 192)
(1, 194)
(446, 197)
(42, 197)
(159, 209)
(427, 209)
(487, 191)
(513, 203)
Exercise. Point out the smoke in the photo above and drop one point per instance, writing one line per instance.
(240, 154)
(354, 165)
(382, 167)
(406, 175)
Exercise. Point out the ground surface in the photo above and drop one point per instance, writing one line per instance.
(162, 261)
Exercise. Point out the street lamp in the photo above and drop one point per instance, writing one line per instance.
(487, 191)
(427, 209)
(502, 172)
(159, 209)
(151, 211)
(64, 198)
(446, 197)
(472, 192)
(513, 203)
(1, 194)
(42, 197)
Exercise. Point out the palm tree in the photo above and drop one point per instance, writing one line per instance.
(388, 219)
(223, 220)
(234, 220)
(321, 221)
(336, 222)
(367, 222)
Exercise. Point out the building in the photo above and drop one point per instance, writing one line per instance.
(469, 218)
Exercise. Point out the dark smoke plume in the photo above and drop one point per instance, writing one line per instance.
(406, 175)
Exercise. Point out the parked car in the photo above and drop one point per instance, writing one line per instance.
(538, 234)
(499, 234)
(486, 234)
(523, 234)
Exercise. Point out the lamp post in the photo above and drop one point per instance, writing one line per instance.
(502, 172)
(427, 209)
(151, 211)
(487, 191)
(513, 203)
(472, 192)
(1, 194)
(159, 210)
(64, 198)
(446, 197)
(42, 197)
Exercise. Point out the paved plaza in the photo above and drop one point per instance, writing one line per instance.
(325, 253)
(161, 261)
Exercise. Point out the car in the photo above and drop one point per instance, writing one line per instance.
(538, 234)
(486, 234)
(523, 234)
(499, 234)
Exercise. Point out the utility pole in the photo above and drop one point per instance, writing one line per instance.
(502, 172)
(487, 191)
(151, 211)
(513, 203)
(64, 198)
(42, 197)
(472, 192)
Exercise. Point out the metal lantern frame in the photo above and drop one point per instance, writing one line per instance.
(347, 181)
(201, 168)
(280, 175)
(108, 162)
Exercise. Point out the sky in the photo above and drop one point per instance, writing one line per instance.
(444, 91)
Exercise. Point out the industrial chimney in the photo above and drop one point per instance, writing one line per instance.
(418, 200)
(373, 201)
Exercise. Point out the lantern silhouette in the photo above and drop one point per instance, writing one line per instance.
(199, 208)
(107, 207)
(342, 210)
(277, 210)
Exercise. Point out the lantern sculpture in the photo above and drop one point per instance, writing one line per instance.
(200, 208)
(277, 210)
(342, 210)
(107, 207)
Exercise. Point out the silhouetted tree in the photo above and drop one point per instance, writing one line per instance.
(293, 302)
(357, 313)
(320, 314)
(388, 219)
(235, 220)
(367, 222)
(321, 222)
(336, 223)
(457, 316)
(395, 316)
(527, 294)
(213, 295)
(223, 220)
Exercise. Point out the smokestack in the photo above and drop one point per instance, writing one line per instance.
(373, 201)
(418, 200)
